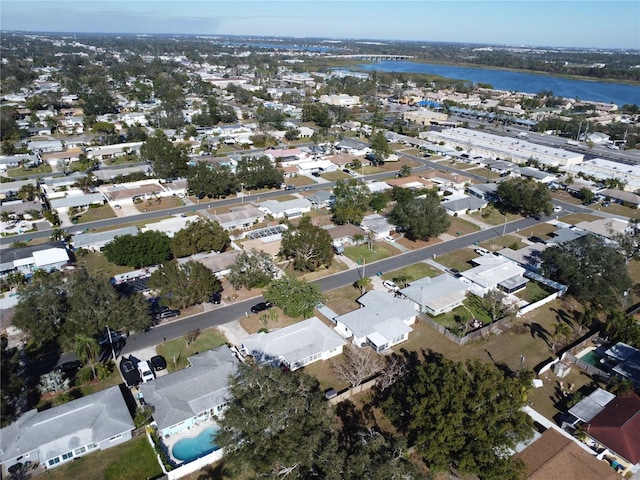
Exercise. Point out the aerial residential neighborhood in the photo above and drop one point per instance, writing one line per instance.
(225, 259)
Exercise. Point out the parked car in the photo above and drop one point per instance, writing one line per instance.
(482, 251)
(130, 373)
(116, 336)
(290, 187)
(215, 298)
(454, 271)
(168, 314)
(261, 307)
(69, 367)
(146, 374)
(158, 363)
(557, 208)
(390, 285)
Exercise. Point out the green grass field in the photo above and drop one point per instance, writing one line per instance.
(177, 352)
(362, 253)
(413, 272)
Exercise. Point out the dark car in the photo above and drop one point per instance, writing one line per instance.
(261, 307)
(216, 298)
(130, 373)
(115, 337)
(158, 363)
(454, 271)
(69, 367)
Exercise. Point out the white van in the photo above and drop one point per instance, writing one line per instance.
(145, 371)
(482, 251)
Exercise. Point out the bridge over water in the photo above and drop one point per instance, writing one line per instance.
(373, 57)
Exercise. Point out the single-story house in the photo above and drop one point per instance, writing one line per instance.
(48, 257)
(11, 189)
(382, 321)
(13, 161)
(529, 257)
(378, 224)
(287, 209)
(554, 456)
(218, 263)
(616, 427)
(413, 182)
(493, 272)
(344, 234)
(485, 191)
(60, 434)
(294, 346)
(436, 295)
(321, 199)
(352, 146)
(592, 405)
(241, 217)
(463, 204)
(630, 198)
(537, 175)
(170, 226)
(95, 241)
(22, 208)
(63, 204)
(187, 397)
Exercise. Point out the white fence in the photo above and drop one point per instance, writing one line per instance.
(187, 468)
(532, 306)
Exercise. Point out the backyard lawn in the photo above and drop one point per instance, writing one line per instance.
(177, 352)
(97, 265)
(132, 460)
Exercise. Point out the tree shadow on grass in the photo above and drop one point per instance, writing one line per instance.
(563, 316)
(539, 331)
(217, 471)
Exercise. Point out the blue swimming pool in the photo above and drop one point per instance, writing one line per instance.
(188, 449)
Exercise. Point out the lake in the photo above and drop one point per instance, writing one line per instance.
(595, 91)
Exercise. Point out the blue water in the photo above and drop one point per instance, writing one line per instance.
(595, 91)
(189, 449)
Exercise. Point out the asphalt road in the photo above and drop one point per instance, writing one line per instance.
(237, 310)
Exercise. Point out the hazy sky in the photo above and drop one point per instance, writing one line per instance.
(585, 23)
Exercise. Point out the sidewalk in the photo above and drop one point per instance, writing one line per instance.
(234, 332)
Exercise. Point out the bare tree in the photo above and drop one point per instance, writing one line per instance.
(191, 336)
(394, 369)
(357, 365)
(493, 304)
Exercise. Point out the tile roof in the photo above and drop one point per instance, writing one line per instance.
(617, 427)
(555, 457)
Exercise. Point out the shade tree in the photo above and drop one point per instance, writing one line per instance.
(351, 201)
(141, 250)
(252, 269)
(308, 245)
(524, 196)
(200, 235)
(421, 218)
(183, 285)
(297, 298)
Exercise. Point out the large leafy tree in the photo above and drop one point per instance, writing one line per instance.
(183, 285)
(42, 308)
(199, 236)
(308, 245)
(278, 426)
(525, 196)
(213, 181)
(351, 201)
(54, 308)
(421, 218)
(141, 250)
(252, 269)
(465, 416)
(166, 159)
(258, 172)
(94, 304)
(595, 272)
(296, 297)
(11, 391)
(380, 147)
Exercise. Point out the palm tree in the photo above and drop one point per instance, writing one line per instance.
(87, 350)
(363, 284)
(562, 331)
(58, 234)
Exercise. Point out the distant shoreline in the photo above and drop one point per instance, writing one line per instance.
(505, 69)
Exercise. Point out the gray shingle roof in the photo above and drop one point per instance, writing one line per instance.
(186, 393)
(55, 431)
